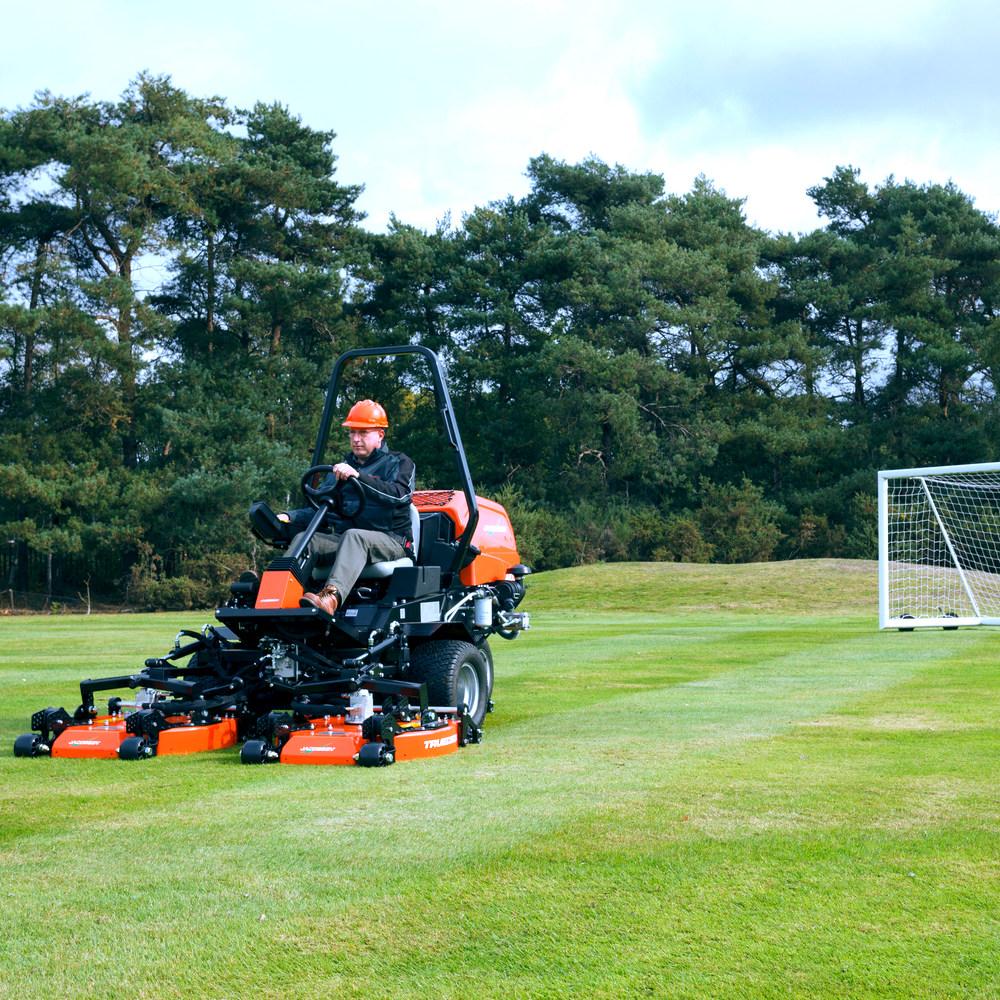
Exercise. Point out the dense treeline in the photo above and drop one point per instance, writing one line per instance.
(638, 374)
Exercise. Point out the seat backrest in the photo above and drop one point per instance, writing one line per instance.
(415, 531)
(380, 570)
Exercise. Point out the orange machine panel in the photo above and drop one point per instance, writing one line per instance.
(101, 738)
(193, 739)
(494, 536)
(332, 744)
(427, 742)
(278, 589)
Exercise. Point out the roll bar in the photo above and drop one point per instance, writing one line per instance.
(445, 409)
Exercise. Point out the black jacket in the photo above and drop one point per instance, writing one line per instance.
(387, 479)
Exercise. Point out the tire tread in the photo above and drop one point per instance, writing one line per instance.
(435, 663)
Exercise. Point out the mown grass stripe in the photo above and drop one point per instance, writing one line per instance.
(747, 806)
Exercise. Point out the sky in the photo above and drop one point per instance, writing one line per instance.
(439, 105)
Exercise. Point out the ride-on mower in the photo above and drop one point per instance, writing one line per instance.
(401, 670)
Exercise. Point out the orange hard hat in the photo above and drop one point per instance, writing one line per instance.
(366, 413)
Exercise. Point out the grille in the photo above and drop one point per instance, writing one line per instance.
(433, 498)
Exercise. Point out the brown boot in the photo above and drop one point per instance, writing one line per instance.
(326, 600)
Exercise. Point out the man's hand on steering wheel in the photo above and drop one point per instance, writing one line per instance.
(333, 494)
(344, 471)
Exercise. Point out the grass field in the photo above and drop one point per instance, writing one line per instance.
(699, 781)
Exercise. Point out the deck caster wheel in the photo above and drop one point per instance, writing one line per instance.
(258, 752)
(468, 731)
(30, 745)
(136, 748)
(376, 755)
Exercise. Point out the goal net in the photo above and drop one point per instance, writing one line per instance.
(939, 546)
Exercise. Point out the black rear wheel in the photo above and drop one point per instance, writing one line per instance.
(456, 673)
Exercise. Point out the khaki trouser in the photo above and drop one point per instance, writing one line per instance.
(350, 553)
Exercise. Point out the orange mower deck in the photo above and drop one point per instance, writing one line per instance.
(104, 736)
(376, 742)
(332, 741)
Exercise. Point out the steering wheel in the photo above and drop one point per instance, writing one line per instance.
(345, 497)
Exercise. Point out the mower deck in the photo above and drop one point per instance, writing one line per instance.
(100, 739)
(334, 741)
(105, 736)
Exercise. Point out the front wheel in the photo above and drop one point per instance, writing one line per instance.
(456, 673)
(375, 755)
(29, 745)
(136, 748)
(258, 752)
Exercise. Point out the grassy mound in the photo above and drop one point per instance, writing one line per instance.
(699, 781)
(805, 586)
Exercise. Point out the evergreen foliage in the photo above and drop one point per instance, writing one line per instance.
(637, 374)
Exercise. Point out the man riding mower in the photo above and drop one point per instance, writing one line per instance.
(380, 530)
(367, 661)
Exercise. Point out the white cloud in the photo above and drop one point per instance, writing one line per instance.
(480, 146)
(440, 105)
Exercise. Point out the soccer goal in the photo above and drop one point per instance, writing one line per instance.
(939, 546)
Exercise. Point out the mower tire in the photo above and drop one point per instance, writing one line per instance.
(258, 752)
(136, 748)
(29, 745)
(375, 755)
(456, 673)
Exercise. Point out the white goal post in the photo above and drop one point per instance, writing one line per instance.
(939, 546)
